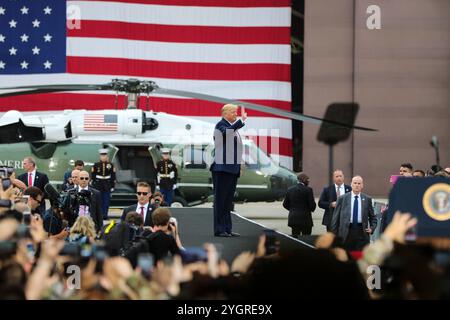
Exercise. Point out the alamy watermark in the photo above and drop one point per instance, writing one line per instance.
(373, 21)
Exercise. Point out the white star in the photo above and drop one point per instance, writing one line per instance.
(24, 10)
(12, 51)
(47, 38)
(47, 64)
(2, 11)
(24, 65)
(36, 50)
(2, 38)
(47, 10)
(24, 38)
(36, 23)
(12, 24)
(2, 65)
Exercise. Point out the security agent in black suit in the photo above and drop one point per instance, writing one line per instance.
(31, 177)
(324, 202)
(300, 202)
(226, 167)
(94, 205)
(143, 207)
(353, 218)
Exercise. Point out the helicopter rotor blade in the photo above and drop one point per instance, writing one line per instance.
(258, 107)
(52, 88)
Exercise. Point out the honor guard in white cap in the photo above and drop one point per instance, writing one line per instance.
(167, 176)
(103, 175)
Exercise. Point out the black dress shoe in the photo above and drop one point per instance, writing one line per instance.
(234, 234)
(222, 234)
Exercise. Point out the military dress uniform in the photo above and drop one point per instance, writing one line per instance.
(103, 176)
(167, 178)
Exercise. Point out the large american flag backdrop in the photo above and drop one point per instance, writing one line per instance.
(237, 49)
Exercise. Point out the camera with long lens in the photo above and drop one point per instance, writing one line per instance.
(82, 198)
(57, 200)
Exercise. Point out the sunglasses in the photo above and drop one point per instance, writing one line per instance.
(83, 178)
(142, 193)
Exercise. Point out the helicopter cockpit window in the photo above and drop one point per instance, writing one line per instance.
(194, 157)
(254, 157)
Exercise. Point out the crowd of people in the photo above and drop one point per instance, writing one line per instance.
(70, 252)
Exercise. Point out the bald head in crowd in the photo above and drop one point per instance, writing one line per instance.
(357, 184)
(84, 179)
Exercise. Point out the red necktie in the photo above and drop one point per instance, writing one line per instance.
(30, 179)
(142, 212)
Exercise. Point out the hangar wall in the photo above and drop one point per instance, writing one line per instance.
(399, 75)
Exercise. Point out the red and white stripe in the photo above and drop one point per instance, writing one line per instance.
(96, 123)
(239, 49)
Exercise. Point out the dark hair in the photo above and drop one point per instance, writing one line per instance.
(161, 216)
(303, 178)
(12, 214)
(158, 194)
(79, 163)
(420, 171)
(134, 218)
(407, 165)
(33, 192)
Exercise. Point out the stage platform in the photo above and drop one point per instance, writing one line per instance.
(196, 228)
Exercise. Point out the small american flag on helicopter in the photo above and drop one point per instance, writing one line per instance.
(100, 122)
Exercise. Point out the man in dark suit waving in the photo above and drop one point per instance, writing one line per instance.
(226, 167)
(143, 207)
(332, 192)
(34, 178)
(353, 218)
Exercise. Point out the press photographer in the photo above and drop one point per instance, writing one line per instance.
(85, 201)
(158, 200)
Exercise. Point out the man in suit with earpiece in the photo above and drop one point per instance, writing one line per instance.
(353, 218)
(143, 207)
(337, 189)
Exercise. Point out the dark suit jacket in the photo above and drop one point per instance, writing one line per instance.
(227, 160)
(95, 208)
(40, 180)
(148, 217)
(324, 202)
(342, 213)
(300, 202)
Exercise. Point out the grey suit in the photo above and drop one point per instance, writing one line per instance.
(342, 215)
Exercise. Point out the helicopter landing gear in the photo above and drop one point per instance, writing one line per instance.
(178, 202)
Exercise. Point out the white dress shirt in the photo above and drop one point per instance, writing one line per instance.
(359, 208)
(138, 209)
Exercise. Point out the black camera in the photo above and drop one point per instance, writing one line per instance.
(4, 203)
(272, 243)
(5, 175)
(7, 249)
(83, 198)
